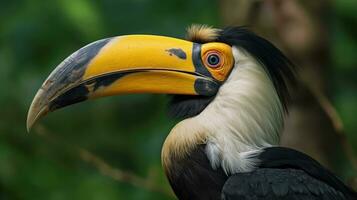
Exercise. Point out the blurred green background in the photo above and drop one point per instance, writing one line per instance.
(127, 131)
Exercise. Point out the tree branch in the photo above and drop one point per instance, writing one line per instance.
(105, 168)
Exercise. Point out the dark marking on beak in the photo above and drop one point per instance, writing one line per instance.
(75, 65)
(75, 95)
(177, 52)
(205, 87)
(83, 91)
(197, 61)
(69, 73)
(107, 80)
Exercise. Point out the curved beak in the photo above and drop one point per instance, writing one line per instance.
(124, 65)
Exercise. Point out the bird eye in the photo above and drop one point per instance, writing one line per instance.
(213, 59)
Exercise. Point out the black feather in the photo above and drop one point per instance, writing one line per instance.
(280, 184)
(286, 158)
(185, 106)
(192, 177)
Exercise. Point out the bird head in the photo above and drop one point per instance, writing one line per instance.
(228, 83)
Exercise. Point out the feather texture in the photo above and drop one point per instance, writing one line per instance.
(202, 33)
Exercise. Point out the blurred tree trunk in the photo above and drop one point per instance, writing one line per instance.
(299, 28)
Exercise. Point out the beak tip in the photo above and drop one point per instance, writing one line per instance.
(31, 119)
(29, 124)
(37, 110)
(28, 127)
(35, 115)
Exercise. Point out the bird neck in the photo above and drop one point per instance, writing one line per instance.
(245, 117)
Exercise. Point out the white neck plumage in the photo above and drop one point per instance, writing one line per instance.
(245, 117)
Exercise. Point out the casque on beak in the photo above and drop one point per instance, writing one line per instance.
(130, 64)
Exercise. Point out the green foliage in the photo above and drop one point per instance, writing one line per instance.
(343, 74)
(127, 132)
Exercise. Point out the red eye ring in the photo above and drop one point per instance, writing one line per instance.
(213, 59)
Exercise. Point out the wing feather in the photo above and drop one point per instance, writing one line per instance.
(270, 183)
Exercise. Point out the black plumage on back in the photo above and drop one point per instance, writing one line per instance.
(277, 184)
(284, 173)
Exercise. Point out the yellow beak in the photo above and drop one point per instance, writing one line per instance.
(123, 65)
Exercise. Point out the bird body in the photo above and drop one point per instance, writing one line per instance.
(281, 173)
(229, 87)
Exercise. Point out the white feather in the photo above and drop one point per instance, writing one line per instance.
(245, 117)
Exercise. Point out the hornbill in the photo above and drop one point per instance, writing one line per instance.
(230, 89)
